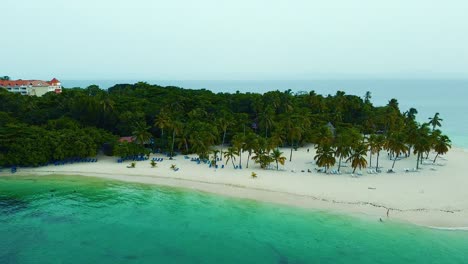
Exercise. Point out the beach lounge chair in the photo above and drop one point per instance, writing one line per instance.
(222, 166)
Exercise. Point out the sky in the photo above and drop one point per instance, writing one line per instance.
(230, 40)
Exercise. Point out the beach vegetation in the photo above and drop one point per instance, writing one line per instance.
(277, 156)
(231, 154)
(358, 156)
(435, 121)
(376, 144)
(325, 156)
(78, 122)
(442, 146)
(395, 144)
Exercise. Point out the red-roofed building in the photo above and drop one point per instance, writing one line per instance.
(31, 87)
(127, 139)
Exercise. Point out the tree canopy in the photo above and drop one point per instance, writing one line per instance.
(77, 122)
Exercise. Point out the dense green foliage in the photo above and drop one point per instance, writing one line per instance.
(76, 123)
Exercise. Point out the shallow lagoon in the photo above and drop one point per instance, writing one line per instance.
(63, 219)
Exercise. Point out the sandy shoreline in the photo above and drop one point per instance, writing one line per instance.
(436, 196)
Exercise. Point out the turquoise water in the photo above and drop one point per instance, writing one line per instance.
(428, 96)
(86, 220)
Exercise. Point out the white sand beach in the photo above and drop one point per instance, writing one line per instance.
(435, 196)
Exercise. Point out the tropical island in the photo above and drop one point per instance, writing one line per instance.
(316, 151)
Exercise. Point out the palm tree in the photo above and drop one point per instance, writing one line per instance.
(251, 144)
(202, 138)
(442, 146)
(357, 157)
(200, 147)
(376, 144)
(261, 157)
(396, 145)
(184, 137)
(276, 155)
(343, 145)
(106, 103)
(141, 134)
(323, 136)
(266, 119)
(215, 156)
(367, 97)
(162, 121)
(223, 123)
(435, 121)
(231, 154)
(422, 143)
(176, 129)
(325, 156)
(238, 141)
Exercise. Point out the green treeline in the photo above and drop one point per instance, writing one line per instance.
(77, 123)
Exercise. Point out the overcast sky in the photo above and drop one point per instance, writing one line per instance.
(237, 39)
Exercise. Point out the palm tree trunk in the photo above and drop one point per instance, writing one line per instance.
(173, 141)
(370, 159)
(339, 164)
(435, 158)
(222, 144)
(290, 155)
(240, 158)
(396, 156)
(417, 161)
(233, 165)
(277, 166)
(377, 166)
(248, 158)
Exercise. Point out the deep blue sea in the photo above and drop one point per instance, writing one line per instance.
(448, 97)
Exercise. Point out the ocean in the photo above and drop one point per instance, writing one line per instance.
(65, 219)
(448, 97)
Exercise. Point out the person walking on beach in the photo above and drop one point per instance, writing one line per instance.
(388, 210)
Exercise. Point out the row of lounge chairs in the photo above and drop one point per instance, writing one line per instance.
(158, 159)
(216, 166)
(133, 158)
(74, 160)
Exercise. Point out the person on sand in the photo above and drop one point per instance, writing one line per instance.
(388, 210)
(380, 219)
